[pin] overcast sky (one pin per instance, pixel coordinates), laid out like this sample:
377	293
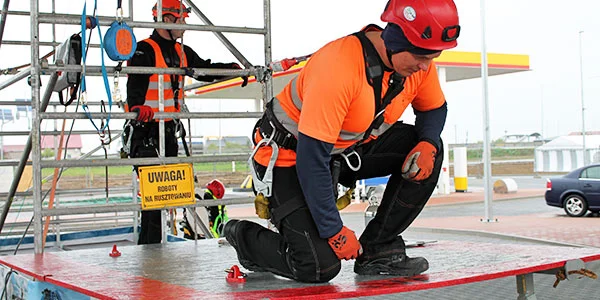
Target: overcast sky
547	31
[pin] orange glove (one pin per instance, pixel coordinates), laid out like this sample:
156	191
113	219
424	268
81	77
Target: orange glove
145	113
419	162
345	245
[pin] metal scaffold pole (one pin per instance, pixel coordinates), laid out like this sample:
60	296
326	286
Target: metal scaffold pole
3	21
17	77
35	131
220	35
268	86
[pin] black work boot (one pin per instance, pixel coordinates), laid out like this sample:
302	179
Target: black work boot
231	233
389	260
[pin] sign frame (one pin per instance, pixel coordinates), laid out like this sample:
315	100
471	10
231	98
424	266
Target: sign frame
164	186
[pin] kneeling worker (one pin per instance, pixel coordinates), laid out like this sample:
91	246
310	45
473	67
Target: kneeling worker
337	122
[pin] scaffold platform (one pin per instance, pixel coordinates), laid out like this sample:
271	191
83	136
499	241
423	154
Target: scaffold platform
196	270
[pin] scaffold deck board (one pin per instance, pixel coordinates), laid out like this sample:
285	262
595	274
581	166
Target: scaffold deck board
189	270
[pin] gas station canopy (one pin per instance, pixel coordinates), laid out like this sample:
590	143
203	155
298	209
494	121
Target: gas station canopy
459	65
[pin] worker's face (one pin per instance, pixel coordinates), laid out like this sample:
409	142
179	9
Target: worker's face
172	19
406	63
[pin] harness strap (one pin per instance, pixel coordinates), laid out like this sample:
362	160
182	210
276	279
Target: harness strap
374	72
374	68
285	209
269	123
179	128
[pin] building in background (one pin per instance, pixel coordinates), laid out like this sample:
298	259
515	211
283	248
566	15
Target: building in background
73	148
565	153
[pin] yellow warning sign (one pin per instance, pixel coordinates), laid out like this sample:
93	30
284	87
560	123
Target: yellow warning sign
166	185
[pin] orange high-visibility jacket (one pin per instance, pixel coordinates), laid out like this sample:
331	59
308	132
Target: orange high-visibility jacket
152	93
330	99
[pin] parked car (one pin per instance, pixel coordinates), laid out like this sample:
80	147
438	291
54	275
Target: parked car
576	192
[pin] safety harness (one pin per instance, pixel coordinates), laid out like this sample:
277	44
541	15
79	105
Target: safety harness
374	68
276	135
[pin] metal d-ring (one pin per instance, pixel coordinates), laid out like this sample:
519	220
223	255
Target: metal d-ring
347	158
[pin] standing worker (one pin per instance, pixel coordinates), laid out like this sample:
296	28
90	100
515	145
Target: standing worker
161	50
337	122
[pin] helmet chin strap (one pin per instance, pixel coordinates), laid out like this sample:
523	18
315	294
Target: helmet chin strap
389	57
169	30
170	34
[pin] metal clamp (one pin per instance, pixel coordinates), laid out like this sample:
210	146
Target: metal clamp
262	73
573	269
264	185
347	159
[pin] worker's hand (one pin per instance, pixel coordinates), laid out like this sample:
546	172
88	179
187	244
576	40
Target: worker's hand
419	162
245	78
145	113
345	245
190	72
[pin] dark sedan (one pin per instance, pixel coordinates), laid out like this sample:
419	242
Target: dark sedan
576	192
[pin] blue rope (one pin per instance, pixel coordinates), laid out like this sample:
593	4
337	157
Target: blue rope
95	23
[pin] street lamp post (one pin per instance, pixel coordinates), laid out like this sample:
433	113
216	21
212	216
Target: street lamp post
585	156
487	156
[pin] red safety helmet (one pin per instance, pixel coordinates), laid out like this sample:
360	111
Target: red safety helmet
171	7
217	188
427	24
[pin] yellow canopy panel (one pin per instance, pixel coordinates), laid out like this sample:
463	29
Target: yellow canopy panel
467	65
459	66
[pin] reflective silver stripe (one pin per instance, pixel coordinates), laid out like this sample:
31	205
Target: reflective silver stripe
295	96
292	126
283	118
383	128
337	151
350	136
153	85
154	103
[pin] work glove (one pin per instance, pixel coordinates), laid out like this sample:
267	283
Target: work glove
145	113
419	162
345	245
190	72
245	78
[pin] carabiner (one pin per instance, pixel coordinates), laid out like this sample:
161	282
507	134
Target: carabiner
178	127
264	185
120	15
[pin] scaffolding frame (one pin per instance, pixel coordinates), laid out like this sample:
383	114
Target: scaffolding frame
39	104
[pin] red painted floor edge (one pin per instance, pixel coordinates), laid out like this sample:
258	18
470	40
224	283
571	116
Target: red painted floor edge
38	271
42	272
410	286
